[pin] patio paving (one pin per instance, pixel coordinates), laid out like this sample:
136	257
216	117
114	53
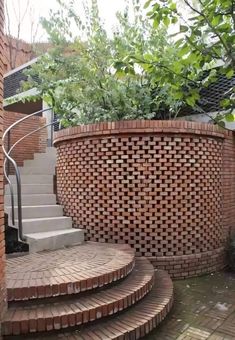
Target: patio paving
204	308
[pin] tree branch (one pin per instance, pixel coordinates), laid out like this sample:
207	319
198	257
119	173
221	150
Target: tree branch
211	26
168	69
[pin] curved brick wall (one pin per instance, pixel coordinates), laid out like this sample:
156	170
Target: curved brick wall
2	238
156	185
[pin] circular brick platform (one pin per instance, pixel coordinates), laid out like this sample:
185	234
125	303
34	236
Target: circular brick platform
93	291
133	323
67	271
75	310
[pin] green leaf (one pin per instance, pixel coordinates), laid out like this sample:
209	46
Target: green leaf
119	65
190	101
147	4
184	51
183	28
230	73
166	21
225	103
216	20
230	117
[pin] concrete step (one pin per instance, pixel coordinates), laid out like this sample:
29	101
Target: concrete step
40	162
35	199
34	179
40	170
49	153
51	150
37	225
38	211
42	157
28	189
56	239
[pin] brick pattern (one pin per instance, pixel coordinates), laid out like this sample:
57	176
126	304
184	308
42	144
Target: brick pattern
79	310
67	271
156	185
16	53
229	185
127	294
32	144
133	323
2	241
203	309
191	265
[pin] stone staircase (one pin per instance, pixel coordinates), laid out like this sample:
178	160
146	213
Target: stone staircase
44	225
87	292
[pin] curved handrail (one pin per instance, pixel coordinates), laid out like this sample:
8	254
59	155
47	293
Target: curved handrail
17	173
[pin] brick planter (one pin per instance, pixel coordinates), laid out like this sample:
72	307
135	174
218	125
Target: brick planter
164	187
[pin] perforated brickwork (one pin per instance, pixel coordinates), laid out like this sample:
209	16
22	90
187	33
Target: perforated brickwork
158	188
2	241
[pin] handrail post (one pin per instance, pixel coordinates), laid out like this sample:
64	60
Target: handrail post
52	126
8	149
19	202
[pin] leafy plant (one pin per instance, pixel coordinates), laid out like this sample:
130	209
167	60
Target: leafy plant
88	76
205	43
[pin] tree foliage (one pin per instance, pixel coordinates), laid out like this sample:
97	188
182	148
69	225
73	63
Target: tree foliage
88	75
205	43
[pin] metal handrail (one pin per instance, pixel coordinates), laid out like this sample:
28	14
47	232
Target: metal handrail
17	173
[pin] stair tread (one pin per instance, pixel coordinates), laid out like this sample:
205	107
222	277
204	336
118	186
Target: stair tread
45	234
32	184
139	320
37	206
33	195
97	304
38	219
133	323
67	271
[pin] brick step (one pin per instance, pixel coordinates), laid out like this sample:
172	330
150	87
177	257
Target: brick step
67	271
76	310
133	323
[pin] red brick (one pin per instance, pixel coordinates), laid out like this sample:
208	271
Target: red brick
35	143
165	188
2	242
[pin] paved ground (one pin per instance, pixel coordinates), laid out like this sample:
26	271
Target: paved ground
204	308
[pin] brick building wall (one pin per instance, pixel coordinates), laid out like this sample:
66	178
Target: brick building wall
2	242
32	144
16	53
164	187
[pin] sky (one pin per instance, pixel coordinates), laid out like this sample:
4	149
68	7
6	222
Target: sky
29	16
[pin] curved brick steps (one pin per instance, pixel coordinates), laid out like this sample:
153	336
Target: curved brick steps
67	271
131	324
79	309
